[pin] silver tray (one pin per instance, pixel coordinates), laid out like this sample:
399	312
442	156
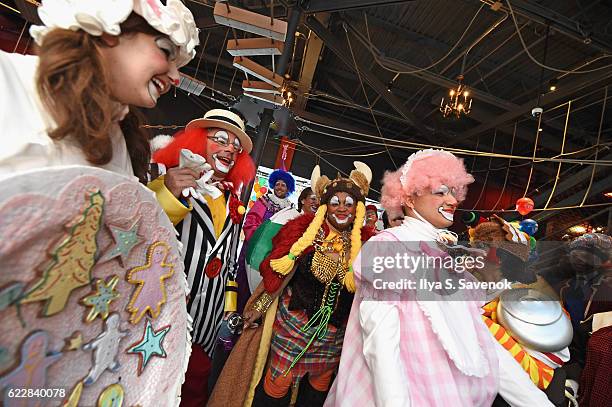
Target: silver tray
534	319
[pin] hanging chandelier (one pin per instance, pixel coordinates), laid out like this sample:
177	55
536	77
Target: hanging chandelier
287	95
459	101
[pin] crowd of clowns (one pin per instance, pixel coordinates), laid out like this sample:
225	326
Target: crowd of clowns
132	274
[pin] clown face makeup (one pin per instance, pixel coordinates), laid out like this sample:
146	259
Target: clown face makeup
447	213
222	148
437	208
310	203
371	218
341	211
280	189
141	68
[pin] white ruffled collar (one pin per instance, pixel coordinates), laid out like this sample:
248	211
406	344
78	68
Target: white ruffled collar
282	203
421	227
443	236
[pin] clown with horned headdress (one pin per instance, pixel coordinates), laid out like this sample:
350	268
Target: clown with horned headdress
304	302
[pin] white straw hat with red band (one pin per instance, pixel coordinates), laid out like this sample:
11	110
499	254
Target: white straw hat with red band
226	120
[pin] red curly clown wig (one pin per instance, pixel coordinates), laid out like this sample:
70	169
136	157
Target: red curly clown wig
194	139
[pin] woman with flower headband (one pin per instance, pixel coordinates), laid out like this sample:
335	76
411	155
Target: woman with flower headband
406	346
77	226
97	61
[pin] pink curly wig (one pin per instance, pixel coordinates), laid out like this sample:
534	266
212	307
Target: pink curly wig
193	139
423	172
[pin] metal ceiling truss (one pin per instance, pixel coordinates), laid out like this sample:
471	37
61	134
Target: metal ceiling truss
568	26
583	83
432	77
318	6
337	47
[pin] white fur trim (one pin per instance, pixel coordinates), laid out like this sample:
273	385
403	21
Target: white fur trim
160	141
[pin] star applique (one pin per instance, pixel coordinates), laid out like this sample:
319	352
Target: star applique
125	241
5	356
74	342
150	345
100	300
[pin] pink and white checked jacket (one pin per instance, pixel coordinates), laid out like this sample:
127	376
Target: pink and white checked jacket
393	354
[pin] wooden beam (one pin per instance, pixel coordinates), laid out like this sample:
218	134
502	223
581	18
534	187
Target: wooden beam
253	68
259	87
254	46
248	21
314	45
266	97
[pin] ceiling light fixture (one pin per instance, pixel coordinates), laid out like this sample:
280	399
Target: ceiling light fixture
552	84
578	229
459	101
191	85
390	84
287	96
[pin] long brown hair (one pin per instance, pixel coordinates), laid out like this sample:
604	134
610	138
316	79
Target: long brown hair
74	88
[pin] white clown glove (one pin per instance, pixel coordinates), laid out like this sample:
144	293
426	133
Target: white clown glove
207	188
196	162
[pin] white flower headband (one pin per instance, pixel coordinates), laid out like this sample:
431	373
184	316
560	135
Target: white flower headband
419	155
105	16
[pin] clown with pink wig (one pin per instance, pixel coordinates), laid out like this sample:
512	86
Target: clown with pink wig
408	343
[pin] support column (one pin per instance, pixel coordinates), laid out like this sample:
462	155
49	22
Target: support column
268	114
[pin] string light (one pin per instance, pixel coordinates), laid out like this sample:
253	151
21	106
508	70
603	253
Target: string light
409	145
560	208
10	8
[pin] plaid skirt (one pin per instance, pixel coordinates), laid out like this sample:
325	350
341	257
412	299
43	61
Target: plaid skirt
288	341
